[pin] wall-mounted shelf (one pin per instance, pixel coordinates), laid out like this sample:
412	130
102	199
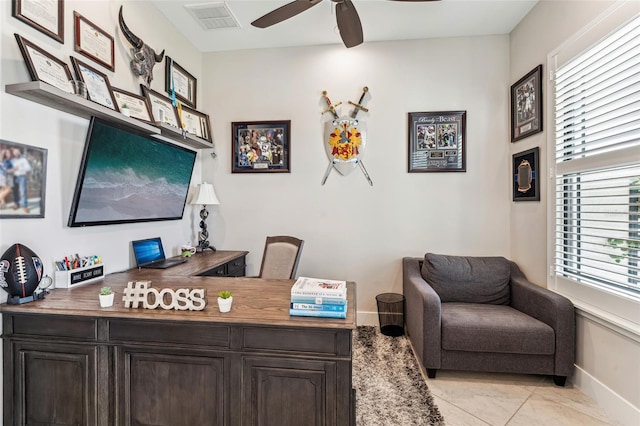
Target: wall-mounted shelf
46	94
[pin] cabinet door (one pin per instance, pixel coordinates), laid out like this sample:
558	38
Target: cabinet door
288	392
169	389
53	384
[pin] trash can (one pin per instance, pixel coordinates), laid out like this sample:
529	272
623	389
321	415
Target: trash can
391	313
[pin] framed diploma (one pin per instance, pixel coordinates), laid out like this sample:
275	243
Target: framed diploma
93	42
180	83
162	109
138	105
44	67
98	86
196	123
46	16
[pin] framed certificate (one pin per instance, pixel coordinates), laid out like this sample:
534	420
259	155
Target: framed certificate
98	86
162	109
93	42
179	82
46	16
138	105
196	123
44	67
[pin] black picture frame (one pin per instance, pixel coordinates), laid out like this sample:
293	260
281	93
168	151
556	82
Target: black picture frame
526	105
525	170
29	12
97	83
437	141
187	89
261	146
35	182
54	71
138	104
196	123
107	59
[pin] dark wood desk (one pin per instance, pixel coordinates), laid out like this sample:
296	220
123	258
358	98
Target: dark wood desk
69	362
220	263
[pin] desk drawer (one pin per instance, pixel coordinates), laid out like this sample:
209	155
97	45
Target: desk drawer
291	340
169	333
220	271
55	326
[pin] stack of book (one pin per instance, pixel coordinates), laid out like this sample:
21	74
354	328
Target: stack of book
313	297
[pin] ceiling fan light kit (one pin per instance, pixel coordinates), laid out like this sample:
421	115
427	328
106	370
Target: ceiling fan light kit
349	25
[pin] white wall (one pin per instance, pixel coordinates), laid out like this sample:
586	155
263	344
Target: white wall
606	359
354	231
63	135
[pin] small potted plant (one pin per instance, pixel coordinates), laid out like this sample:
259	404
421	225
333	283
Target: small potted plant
224	300
106	297
124	109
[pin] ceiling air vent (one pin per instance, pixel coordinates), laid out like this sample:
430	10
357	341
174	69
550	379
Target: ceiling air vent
213	16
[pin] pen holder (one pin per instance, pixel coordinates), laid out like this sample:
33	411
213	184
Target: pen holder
78	276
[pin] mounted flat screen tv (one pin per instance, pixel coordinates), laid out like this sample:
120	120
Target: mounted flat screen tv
127	176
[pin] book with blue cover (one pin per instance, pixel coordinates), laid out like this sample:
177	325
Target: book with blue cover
315	307
319	314
319	300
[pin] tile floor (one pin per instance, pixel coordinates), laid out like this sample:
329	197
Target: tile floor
470	399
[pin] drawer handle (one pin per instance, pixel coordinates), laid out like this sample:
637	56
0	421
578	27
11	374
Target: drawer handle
220	272
237	263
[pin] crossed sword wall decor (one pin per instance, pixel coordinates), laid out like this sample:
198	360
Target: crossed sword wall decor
345	122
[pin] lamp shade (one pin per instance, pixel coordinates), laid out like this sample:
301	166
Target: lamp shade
205	195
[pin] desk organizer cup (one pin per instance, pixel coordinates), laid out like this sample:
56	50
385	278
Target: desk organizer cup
79	276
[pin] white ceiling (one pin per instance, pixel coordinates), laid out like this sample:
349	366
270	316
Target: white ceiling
382	20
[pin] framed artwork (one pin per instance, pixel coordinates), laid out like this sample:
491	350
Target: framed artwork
23	176
261	146
98	86
196	123
180	83
137	104
437	141
526	105
46	16
162	109
44	67
93	42
526	171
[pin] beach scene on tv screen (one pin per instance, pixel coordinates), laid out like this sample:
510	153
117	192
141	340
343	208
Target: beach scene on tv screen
132	178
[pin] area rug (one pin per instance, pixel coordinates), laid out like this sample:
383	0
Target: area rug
390	390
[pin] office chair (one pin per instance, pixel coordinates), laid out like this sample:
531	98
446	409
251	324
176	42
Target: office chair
281	257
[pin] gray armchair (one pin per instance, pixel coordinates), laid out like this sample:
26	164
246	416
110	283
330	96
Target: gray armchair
481	314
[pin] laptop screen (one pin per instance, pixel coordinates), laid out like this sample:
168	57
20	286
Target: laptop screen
149	250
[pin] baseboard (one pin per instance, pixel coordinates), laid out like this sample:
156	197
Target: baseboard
367	318
616	407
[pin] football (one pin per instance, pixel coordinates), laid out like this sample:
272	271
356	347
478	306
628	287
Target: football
20	271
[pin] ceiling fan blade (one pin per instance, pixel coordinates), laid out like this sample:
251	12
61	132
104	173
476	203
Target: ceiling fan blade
284	12
349	23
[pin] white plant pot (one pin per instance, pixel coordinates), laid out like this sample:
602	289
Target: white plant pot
106	300
225	304
126	111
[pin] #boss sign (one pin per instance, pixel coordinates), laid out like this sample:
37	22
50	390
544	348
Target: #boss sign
141	293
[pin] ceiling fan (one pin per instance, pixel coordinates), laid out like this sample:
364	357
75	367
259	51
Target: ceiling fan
346	16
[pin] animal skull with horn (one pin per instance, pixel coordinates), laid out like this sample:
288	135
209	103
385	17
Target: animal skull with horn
144	57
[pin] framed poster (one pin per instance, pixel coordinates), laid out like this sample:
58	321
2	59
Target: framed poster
196	123
46	16
526	105
162	109
23	175
180	83
437	141
93	42
526	171
260	147
44	67
98	86
137	104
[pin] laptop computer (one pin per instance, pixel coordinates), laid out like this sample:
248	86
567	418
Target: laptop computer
150	254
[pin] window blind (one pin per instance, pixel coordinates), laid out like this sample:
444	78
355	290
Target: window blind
597	153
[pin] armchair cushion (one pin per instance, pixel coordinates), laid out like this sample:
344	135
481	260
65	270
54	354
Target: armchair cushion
490	328
468	279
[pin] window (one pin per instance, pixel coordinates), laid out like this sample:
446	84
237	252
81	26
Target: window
596	100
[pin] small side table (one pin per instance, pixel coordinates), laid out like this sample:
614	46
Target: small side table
391	313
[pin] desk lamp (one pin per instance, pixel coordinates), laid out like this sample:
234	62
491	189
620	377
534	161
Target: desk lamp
206	195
